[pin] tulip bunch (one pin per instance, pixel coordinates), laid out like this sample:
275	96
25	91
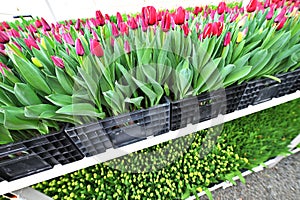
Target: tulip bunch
192	164
81	70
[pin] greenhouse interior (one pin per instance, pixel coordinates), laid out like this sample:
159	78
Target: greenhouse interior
149	99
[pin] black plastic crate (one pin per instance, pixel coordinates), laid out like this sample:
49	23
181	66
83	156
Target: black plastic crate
197	109
261	90
28	157
233	97
124	129
288	83
90	139
138	125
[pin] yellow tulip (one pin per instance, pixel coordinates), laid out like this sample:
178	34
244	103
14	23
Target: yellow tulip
43	43
240	37
36	62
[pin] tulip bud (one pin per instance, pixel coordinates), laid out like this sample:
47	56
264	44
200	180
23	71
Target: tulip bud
115	30
79	48
58	61
68	38
221	18
132	23
6	25
58	38
212	14
45	25
197	10
179	17
38	23
207	30
270	14
227	39
152	15
214	28
251	7
186	29
166	22
107	17
30	42
77	25
221	8
3	37
2	47
36	62
267	4
220	28
127	47
280	16
96	48
123	28
281	23
239	37
119	18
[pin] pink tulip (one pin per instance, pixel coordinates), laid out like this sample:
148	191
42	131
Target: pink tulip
212	14
123	28
2	47
78	24
270	14
2	28
280	16
78	47
207	30
227	39
115	30
58	38
107	17
58	61
3	37
221	18
6	25
95	35
14	33
68	38
31	29
127	47
214	28
96	48
3	66
221	8
100	18
179	17
267	4
132	23
119	18
45	25
30	42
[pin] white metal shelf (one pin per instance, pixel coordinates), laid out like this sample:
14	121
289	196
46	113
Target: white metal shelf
60	170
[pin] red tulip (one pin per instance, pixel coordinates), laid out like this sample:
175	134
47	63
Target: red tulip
207	30
251	7
79	48
32	29
58	61
220	28
280	16
1	28
186	29
214	28
2	47
6	25
221	18
96	48
159	16
227	39
221	8
149	15
38	23
119	18
14	33
166	22
78	24
124	28
107	17
132	23
197	10
45	25
281	23
127	47
3	37
179	17
100	18
68	38
30	42
115	30
270	14
58	38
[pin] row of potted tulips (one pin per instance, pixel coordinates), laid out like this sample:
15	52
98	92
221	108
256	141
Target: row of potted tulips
95	68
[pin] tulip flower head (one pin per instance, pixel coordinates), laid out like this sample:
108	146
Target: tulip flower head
114	30
179	16
78	47
280	16
6	25
149	15
251	7
30	42
100	18
58	61
38	23
36	62
127	46
270	13
45	25
227	39
3	37
281	23
186	29
221	8
2	67
68	38
96	48
166	22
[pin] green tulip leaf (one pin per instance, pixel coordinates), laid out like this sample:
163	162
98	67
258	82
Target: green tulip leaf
26	95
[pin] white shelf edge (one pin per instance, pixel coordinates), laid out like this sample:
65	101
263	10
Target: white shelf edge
59	170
